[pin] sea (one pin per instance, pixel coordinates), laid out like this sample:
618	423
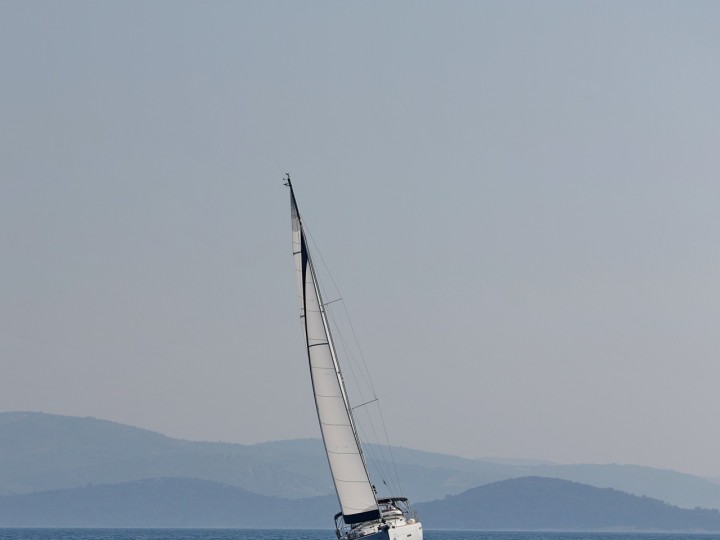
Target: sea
306	534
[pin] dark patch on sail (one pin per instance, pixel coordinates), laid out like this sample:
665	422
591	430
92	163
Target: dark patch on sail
304	267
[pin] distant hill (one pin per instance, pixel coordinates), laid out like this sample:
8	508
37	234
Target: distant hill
534	503
40	452
680	489
530	503
165	502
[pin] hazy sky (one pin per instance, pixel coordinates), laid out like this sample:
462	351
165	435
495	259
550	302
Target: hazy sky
519	201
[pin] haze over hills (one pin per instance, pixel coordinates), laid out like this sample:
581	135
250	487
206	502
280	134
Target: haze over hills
523	503
40	452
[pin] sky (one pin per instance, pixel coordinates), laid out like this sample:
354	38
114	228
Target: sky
518	201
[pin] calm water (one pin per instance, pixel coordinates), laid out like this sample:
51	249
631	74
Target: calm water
283	534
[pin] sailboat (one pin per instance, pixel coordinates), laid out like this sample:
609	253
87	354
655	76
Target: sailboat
362	514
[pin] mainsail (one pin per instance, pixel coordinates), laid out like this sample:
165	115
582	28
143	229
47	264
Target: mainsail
347	465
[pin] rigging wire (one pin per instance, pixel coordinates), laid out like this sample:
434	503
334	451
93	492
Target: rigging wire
376	439
365	376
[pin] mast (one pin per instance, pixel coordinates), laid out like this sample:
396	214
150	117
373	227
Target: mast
342	444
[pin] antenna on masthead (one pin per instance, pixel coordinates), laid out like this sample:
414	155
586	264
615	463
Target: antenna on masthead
287	180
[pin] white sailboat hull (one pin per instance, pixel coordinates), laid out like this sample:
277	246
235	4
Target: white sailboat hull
407	531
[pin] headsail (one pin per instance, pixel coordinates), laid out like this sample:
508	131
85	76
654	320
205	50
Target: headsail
352	483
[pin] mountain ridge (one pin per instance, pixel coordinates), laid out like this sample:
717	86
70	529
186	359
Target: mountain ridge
41	451
536	503
528	503
162	502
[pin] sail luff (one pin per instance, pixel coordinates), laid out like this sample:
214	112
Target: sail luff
347	465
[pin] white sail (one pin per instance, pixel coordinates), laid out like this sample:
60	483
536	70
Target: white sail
349	473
